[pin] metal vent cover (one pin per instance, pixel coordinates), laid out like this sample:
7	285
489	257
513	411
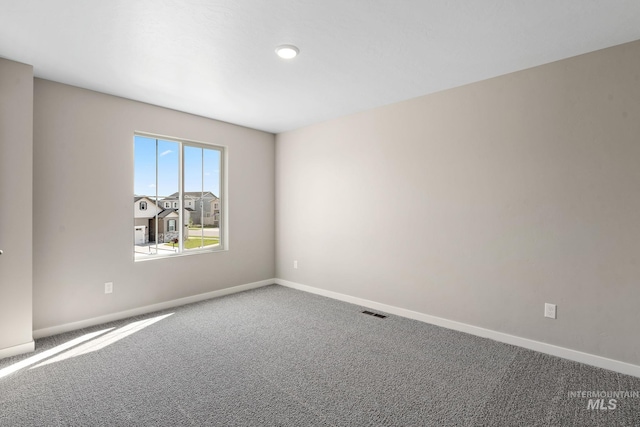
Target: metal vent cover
371	313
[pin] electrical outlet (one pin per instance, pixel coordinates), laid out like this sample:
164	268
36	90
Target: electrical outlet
549	310
295	264
108	287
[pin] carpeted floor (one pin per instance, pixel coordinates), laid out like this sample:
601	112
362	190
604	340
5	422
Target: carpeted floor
280	357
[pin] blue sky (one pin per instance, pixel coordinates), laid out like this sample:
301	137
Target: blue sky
168	168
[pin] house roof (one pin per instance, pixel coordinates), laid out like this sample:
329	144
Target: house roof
137	198
192	195
166	213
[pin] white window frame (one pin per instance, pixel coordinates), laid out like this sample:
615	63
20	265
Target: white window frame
222	224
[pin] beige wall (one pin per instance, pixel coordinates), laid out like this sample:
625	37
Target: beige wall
16	164
476	204
83	148
481	203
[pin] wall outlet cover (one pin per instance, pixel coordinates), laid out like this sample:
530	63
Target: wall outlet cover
550	310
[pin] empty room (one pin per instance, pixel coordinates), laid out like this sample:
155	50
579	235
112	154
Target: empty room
319	213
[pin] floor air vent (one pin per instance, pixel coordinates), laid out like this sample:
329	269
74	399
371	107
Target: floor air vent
371	313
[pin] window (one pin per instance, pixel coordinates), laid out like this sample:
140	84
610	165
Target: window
169	169
143	206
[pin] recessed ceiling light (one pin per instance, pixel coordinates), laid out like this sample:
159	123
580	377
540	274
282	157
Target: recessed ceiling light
287	51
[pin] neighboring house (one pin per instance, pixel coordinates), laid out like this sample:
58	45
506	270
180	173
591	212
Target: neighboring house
168	226
215	212
145	211
190	202
201	204
170	202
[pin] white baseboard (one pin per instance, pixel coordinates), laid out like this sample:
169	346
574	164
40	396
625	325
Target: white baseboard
17	349
554	350
67	327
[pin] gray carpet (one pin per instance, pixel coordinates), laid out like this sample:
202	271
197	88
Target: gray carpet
279	357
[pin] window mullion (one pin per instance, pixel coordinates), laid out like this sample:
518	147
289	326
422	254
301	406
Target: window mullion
181	198
202	197
156	221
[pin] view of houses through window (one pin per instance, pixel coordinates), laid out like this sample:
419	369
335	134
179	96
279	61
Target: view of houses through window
177	197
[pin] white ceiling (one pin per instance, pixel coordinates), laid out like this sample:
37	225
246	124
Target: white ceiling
216	58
